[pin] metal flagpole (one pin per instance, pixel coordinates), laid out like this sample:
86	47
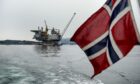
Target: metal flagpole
135	7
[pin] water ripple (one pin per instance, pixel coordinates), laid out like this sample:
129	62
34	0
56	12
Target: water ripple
55	75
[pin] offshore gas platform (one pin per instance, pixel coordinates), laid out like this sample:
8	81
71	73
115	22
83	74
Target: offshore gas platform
50	36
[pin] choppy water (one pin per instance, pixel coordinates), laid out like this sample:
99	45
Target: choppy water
66	64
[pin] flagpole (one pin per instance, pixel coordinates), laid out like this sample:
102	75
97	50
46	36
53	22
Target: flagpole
134	4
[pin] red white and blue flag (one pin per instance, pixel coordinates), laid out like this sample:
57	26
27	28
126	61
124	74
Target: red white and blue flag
108	35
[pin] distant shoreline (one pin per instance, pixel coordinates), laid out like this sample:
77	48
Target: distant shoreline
17	42
26	42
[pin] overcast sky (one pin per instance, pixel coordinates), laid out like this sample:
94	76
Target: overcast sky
18	17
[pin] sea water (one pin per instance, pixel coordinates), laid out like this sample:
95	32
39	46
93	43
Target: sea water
65	64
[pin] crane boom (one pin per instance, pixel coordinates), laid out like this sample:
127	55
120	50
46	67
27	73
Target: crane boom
68	25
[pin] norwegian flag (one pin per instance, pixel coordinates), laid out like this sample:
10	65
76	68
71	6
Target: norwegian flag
108	35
